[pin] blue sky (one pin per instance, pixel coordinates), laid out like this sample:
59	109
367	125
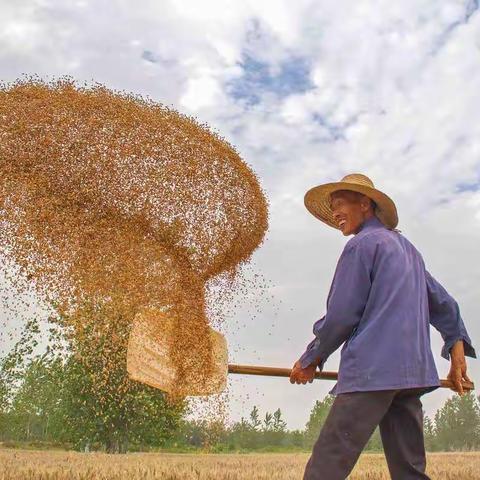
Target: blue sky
292	77
307	94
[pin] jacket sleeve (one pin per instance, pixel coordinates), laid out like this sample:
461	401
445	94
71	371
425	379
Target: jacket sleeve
311	353
345	304
445	317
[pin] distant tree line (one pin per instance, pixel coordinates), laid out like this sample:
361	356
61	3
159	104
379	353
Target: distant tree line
456	426
57	398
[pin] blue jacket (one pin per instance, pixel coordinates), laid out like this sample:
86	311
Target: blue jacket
380	306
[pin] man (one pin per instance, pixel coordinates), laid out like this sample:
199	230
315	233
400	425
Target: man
380	305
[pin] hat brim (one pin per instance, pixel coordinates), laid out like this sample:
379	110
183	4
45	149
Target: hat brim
317	202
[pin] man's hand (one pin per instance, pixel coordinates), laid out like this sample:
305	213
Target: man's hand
458	367
302	375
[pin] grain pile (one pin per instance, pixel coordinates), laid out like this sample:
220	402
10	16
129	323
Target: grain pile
111	203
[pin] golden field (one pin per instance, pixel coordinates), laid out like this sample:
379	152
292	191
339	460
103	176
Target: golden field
60	465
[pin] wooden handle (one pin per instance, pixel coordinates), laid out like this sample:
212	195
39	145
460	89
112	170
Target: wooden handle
448	384
285	372
274	371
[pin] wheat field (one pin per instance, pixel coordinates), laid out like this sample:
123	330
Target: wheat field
60	465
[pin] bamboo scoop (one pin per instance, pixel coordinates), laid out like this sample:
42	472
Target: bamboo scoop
149	360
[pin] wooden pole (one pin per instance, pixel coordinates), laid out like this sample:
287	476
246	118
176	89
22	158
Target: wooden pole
285	372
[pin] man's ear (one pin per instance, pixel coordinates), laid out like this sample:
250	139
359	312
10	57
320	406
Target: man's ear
365	203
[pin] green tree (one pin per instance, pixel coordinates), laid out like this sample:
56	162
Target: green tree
317	418
279	425
276	435
34	413
429	433
78	391
4	402
192	433
254	418
12	370
268	422
242	435
296	438
375	441
100	403
457	423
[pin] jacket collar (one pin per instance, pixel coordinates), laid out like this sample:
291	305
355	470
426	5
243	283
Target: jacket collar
371	223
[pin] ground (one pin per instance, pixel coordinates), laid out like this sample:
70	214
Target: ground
61	465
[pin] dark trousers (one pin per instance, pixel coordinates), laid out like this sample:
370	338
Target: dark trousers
350	423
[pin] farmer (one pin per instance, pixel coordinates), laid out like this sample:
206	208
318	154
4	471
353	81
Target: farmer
381	302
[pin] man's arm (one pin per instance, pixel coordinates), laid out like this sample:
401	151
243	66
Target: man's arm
345	305
311	354
445	317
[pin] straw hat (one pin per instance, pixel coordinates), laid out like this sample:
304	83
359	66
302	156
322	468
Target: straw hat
317	199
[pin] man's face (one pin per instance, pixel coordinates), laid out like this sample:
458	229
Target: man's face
349	210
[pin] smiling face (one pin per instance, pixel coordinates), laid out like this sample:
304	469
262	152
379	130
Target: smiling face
350	210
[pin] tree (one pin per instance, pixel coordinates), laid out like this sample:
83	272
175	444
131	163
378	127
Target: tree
317	418
457	423
13	367
279	425
296	438
34	413
243	435
254	418
429	433
276	433
4	395
375	441
267	422
100	403
78	391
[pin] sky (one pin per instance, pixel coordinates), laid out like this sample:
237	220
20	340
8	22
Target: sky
307	92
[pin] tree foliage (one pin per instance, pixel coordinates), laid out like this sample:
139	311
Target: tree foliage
81	394
457	424
318	415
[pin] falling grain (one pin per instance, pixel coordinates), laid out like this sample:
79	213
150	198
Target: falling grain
111	203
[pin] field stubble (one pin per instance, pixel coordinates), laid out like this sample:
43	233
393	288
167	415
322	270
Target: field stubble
59	465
